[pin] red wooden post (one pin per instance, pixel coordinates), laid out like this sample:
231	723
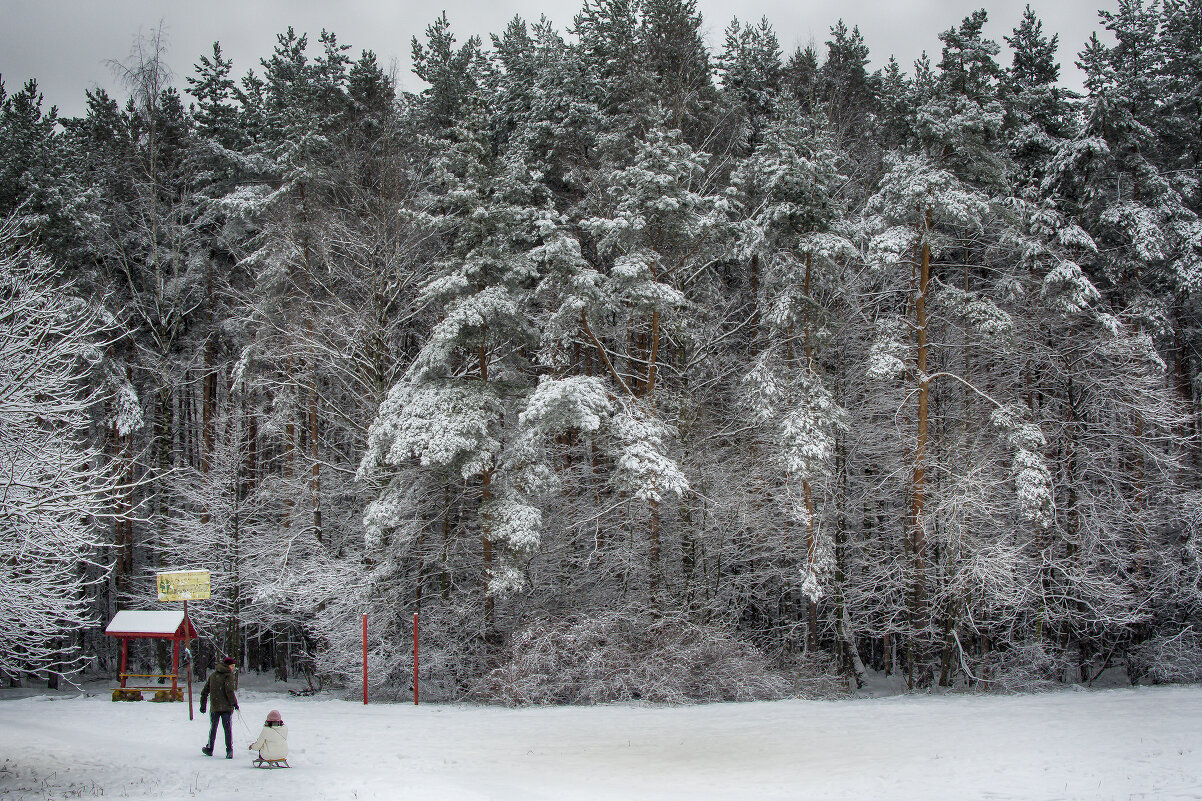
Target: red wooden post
415	658
124	659
188	655
174	667
365	658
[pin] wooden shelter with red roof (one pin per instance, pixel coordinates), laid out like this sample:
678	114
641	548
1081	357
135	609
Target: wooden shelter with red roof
172	625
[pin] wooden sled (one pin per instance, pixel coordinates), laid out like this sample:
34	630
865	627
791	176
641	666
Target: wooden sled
260	762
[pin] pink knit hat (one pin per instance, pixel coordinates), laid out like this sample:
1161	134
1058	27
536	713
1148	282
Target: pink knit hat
274	717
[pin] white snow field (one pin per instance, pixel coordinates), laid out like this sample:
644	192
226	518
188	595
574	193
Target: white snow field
1113	744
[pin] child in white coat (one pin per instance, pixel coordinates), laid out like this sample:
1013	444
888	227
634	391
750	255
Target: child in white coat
273	740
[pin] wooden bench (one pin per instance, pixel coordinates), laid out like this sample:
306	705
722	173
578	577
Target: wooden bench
128	692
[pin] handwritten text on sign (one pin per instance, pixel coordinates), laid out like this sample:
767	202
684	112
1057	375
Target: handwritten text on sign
191	585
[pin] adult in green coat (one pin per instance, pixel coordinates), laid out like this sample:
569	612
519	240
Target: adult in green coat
218	695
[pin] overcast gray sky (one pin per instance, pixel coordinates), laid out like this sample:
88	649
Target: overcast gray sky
65	44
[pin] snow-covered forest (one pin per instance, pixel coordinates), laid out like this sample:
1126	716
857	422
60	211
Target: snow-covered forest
639	370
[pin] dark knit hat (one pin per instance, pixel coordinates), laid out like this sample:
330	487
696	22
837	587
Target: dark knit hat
229	660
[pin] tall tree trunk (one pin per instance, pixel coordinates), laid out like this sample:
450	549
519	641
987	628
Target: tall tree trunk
247	481
807	491
917	535
123	534
1073	523
753	272
289	450
652	357
235	624
445	573
485	523
315	456
1186	391
654	583
850	653
811	557
311	312
162	434
688	555
206	415
949	642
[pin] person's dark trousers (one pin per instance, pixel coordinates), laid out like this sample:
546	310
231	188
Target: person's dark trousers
226	719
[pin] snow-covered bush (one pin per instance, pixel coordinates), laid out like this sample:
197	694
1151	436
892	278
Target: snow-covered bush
1168	659
625	656
1025	668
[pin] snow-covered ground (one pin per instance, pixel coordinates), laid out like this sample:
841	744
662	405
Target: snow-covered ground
1113	744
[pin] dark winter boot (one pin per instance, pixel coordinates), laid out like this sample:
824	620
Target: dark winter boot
207	750
229	754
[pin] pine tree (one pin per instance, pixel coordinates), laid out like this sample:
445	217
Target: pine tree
961	125
752	75
215	114
787	186
450	411
612	49
801	77
453	75
1038	114
678	60
848	91
31	178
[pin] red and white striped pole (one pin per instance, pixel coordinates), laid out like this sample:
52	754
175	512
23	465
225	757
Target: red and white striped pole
365	658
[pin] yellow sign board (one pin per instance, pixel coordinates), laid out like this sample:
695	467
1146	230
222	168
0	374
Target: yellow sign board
192	585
